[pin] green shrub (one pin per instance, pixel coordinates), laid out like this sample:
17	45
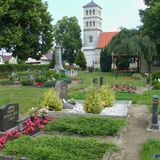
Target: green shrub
26	81
156	75
51	74
81	60
137	76
41	79
105	61
67	80
92	103
21	67
52	101
90	68
49	84
154	82
107	96
6	82
87	125
58	148
157	86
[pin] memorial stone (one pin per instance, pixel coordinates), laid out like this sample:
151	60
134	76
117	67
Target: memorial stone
9	114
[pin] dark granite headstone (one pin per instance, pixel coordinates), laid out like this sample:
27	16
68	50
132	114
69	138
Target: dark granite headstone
62	88
101	81
95	81
155	124
9	114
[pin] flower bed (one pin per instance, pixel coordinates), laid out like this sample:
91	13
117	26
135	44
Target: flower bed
124	88
29	127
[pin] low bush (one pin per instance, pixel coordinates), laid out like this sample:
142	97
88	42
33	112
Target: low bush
90	69
57	148
107	96
92	103
26	82
41	79
67	80
52	101
137	76
87	125
156	75
21	67
49	84
157	86
6	82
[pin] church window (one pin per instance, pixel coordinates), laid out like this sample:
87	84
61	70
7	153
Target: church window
93	23
90	39
87	24
93	11
90	23
90	12
86	12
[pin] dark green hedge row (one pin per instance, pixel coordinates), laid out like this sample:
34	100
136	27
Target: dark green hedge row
21	67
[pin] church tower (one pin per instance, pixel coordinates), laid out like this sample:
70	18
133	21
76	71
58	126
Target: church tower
92	27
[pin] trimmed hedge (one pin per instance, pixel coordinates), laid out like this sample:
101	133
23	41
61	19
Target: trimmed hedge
21	67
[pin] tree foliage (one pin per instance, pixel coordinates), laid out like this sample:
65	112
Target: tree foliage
68	35
81	60
105	61
150	18
25	28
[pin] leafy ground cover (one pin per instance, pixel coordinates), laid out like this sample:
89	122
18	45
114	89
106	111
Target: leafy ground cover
86	125
57	148
150	150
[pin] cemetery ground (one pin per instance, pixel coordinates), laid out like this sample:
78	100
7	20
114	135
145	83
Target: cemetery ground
129	141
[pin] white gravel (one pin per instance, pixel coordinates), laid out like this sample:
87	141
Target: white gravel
119	109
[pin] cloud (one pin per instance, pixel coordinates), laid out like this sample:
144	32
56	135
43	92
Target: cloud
124	17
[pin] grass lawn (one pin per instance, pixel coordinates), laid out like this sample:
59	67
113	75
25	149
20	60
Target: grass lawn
150	150
57	148
86	125
25	96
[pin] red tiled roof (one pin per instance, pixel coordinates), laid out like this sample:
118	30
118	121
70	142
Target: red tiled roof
105	38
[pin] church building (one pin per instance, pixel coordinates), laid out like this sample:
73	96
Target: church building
94	39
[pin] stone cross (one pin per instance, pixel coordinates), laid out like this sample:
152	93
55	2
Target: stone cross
155	124
58	59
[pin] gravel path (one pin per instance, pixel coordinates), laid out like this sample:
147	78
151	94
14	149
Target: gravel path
136	134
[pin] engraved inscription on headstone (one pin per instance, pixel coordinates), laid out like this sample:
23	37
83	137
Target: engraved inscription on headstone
9	114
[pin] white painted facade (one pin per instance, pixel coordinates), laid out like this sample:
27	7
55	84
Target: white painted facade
92	27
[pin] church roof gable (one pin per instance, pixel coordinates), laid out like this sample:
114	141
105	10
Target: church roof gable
91	4
104	39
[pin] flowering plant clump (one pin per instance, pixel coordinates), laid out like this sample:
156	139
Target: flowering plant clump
39	84
28	128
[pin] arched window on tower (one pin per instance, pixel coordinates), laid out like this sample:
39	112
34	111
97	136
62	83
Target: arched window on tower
86	12
93	11
90	39
87	24
94	23
90	12
90	23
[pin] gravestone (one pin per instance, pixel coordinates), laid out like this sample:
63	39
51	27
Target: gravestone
9	114
155	124
62	88
58	60
95	81
101	81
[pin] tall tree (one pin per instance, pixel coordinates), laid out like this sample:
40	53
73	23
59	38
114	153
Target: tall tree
25	28
68	35
105	61
81	60
150	18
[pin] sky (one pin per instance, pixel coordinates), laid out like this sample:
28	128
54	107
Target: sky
115	13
